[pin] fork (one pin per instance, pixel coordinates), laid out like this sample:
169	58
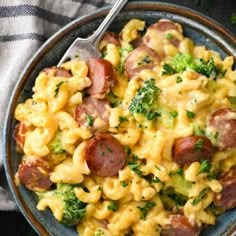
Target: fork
86	48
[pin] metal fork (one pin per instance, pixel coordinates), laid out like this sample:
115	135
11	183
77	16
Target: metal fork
87	48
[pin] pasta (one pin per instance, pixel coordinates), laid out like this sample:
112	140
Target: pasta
133	139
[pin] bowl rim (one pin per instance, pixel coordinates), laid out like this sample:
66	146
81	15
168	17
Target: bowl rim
224	34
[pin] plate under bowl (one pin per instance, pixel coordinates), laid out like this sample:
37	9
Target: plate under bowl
196	26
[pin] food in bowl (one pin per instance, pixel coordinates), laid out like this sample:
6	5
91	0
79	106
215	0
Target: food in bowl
141	141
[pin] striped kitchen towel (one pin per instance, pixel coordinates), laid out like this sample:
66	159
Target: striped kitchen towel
24	26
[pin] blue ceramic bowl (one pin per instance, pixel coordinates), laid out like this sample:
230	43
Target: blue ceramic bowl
196	26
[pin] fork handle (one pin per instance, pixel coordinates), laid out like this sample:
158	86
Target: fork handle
96	36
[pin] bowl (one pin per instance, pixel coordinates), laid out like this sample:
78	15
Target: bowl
196	26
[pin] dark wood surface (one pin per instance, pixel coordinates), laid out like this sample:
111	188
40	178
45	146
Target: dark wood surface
13	223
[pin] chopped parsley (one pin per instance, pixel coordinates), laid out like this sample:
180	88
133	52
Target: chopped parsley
58	88
152	179
168	70
202	194
169	36
122	119
180	171
205	167
145	60
199	144
174	114
99	232
89	120
179	79
123	184
190	114
113	206
99	188
134	166
146	208
145	100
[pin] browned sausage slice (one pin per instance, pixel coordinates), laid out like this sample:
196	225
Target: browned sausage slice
180	226
192	148
33	173
19	136
58	71
104	155
139	59
164	25
223	122
226	199
101	75
92	109
156	35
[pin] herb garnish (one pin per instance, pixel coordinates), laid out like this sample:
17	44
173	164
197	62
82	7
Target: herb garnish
174	114
205	167
89	120
169	36
58	87
123	184
146	208
198	144
113	206
190	114
202	194
134	166
179	79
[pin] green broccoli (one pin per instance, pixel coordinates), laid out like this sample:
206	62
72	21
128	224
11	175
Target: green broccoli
73	209
180	184
182	62
124	52
146	100
171	199
55	145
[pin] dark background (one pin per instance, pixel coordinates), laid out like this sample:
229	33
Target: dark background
13	223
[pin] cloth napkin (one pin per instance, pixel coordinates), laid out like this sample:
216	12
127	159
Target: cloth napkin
24	26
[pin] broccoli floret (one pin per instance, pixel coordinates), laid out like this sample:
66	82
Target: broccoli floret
73	209
182	62
171	199
55	145
124	52
180	184
146	100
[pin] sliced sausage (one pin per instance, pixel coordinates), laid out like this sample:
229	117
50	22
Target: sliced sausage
19	136
104	155
180	226
109	37
191	149
95	109
226	199
156	35
101	75
58	71
164	25
33	173
139	59
223	122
